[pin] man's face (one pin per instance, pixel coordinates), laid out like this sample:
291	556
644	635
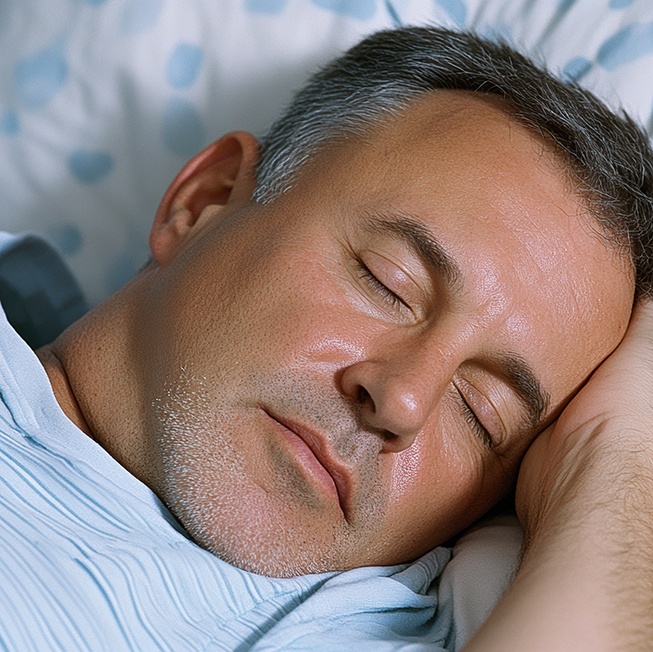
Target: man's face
351	374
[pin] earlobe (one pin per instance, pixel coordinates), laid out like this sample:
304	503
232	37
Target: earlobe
222	173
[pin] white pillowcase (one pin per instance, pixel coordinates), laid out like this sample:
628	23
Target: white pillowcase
102	101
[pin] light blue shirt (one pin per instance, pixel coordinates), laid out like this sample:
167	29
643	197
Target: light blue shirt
90	559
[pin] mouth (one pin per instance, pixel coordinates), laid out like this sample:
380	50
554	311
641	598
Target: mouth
310	451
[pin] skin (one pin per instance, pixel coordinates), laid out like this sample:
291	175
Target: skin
584	498
291	379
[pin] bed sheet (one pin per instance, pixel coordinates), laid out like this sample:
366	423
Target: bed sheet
39	295
102	101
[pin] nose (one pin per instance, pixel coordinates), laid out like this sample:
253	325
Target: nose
397	395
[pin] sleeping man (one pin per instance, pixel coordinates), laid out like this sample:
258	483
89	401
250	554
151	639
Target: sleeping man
348	339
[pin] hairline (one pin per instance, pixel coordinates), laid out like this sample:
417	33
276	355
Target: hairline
372	124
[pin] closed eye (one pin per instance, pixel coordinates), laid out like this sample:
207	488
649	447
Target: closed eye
470	417
394	301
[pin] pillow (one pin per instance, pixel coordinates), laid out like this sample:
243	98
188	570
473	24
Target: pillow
39	296
102	101
484	562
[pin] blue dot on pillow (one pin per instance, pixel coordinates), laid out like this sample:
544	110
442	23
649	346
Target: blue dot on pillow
66	237
628	44
183	65
265	6
141	15
95	2
499	32
90	167
9	123
456	10
620	4
360	9
565	5
183	129
40	76
576	69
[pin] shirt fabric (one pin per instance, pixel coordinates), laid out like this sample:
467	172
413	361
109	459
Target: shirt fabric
90	559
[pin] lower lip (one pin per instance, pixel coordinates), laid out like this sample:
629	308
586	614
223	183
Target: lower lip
306	459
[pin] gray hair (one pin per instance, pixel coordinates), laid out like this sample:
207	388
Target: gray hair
608	155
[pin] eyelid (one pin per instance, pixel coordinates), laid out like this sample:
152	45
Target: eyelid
393	275
395	302
484	410
470	416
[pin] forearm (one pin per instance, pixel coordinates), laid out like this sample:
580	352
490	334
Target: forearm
586	578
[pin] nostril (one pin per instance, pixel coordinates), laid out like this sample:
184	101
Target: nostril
364	398
391	442
389	436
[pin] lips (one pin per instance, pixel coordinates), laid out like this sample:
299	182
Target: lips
310	448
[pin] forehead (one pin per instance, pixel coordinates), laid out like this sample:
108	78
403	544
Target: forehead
501	203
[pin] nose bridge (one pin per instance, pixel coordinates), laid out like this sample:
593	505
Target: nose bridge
399	387
422	368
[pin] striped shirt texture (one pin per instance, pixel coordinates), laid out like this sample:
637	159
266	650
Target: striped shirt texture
90	559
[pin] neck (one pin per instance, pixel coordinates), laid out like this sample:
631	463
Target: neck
61	387
94	372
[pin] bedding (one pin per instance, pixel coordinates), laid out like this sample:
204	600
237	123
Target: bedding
92	560
102	101
39	295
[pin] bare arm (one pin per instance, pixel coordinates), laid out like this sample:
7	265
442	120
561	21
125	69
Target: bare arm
585	499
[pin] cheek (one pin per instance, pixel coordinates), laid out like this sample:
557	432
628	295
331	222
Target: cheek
443	483
302	317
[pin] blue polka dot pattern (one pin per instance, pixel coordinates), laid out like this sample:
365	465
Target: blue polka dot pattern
626	45
90	167
9	123
393	13
183	65
456	10
620	4
576	69
165	83
565	5
140	15
498	32
39	77
265	6
66	237
359	9
183	129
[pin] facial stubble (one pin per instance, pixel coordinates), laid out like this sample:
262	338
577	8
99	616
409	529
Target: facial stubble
238	492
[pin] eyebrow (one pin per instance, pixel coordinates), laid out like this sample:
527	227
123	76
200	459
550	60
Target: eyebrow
534	397
516	371
420	240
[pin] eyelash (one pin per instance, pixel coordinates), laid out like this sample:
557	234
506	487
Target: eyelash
388	295
479	430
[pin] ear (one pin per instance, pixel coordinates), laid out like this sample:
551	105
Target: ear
221	174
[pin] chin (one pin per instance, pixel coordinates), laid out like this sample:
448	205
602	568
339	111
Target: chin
279	559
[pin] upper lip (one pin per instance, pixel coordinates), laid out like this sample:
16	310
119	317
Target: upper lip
318	444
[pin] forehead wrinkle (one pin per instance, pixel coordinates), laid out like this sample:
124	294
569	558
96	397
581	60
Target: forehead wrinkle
405	227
